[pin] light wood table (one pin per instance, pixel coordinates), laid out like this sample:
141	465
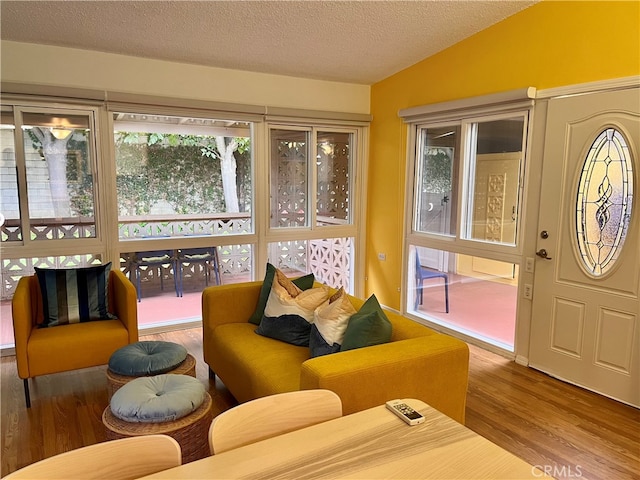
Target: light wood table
370	444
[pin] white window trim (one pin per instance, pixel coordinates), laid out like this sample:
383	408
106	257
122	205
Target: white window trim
461	112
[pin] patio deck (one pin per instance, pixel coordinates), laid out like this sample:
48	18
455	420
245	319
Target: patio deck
485	309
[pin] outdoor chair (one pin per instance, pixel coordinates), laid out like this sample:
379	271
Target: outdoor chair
424	273
155	259
207	257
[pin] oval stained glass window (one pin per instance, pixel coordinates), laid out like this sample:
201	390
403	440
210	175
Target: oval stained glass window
604	201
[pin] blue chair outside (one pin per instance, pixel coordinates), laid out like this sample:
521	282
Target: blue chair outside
424	273
155	259
206	256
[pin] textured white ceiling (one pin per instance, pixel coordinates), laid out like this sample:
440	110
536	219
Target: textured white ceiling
351	41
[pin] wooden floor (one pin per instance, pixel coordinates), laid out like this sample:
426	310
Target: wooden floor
564	430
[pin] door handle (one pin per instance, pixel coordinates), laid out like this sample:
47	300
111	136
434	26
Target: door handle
542	253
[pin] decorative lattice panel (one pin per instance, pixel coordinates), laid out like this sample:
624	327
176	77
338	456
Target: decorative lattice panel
330	261
176	228
235	259
289	171
495	207
333	180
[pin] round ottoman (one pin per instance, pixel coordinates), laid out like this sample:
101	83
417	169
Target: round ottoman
147	358
174	405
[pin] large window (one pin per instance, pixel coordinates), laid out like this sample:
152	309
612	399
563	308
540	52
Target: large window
48	182
311	192
176	198
462	238
183	183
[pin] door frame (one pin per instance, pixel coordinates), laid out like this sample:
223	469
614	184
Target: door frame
532	198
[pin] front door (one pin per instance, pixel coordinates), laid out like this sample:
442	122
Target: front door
585	320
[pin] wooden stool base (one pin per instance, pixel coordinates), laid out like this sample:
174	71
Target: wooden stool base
191	431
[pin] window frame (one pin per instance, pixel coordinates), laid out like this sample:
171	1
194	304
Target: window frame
357	195
464	113
58	247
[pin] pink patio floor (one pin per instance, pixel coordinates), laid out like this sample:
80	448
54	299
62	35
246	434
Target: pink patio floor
484	308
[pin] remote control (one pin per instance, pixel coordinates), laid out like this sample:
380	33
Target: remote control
405	412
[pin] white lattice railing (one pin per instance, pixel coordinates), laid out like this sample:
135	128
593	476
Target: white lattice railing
329	259
50	229
184	225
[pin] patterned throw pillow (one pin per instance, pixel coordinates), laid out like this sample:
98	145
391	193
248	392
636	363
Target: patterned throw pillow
330	323
305	282
74	295
289	311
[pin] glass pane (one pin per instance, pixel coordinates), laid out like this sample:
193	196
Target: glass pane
182	176
9	201
436	191
59	161
473	295
289	178
170	282
333	159
496	159
329	259
604	202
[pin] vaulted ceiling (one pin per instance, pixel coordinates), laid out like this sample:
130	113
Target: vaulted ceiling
358	41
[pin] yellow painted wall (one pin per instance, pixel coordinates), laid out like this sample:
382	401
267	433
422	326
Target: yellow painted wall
550	44
28	63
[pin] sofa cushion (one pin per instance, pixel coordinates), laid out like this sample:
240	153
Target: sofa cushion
253	366
74	295
304	283
289	311
147	358
330	323
370	326
161	398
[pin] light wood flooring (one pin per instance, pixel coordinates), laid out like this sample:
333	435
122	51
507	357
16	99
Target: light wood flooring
564	430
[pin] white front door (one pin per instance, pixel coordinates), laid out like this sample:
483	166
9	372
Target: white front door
586	315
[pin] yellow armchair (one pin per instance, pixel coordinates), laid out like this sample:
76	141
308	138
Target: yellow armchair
41	351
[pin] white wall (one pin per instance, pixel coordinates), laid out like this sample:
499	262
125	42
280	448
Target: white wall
59	66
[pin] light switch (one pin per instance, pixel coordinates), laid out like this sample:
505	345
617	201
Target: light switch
529	265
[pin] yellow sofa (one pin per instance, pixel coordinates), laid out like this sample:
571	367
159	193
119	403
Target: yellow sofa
41	351
418	362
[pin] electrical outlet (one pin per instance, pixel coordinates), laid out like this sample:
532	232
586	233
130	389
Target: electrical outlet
382	257
528	291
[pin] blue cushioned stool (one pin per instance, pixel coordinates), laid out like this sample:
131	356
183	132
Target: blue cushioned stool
147	358
169	404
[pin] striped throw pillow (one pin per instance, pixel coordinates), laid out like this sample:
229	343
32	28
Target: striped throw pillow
74	295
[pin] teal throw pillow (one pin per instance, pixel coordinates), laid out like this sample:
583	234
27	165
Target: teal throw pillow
304	283
370	326
74	295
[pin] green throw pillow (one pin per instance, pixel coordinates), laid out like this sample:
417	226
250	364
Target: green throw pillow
304	283
370	326
74	295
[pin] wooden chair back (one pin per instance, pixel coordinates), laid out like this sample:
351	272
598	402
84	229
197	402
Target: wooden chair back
123	459
269	416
